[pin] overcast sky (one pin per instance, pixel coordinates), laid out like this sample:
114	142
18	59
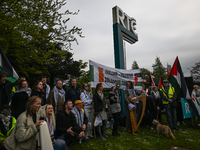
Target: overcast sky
165	29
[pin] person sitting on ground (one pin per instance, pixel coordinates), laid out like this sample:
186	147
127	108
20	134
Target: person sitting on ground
7	123
115	109
66	125
37	90
20	98
87	98
25	133
81	118
47	114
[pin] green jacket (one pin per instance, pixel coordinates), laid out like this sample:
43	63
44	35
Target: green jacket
2	137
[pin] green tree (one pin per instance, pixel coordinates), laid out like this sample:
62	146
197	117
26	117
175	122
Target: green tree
195	72
134	65
30	32
158	69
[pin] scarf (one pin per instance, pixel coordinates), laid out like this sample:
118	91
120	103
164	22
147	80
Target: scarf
50	125
27	90
79	116
61	92
157	95
87	94
100	94
6	121
131	92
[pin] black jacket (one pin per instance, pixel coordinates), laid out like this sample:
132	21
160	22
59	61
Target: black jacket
72	94
99	104
6	97
42	95
18	103
64	122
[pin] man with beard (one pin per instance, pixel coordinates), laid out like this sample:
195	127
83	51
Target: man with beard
57	97
66	125
4	89
73	93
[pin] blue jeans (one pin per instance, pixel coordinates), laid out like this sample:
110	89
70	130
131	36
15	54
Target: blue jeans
171	115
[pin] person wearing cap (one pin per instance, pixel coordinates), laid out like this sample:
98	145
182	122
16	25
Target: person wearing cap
168	95
81	118
66	126
7	123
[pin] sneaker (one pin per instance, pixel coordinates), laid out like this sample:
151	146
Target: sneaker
198	125
91	136
178	123
87	138
104	135
151	128
183	123
118	133
101	138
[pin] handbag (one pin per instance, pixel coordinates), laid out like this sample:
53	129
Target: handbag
98	121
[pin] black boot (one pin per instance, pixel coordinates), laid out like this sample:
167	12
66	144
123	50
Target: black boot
114	133
98	129
118	133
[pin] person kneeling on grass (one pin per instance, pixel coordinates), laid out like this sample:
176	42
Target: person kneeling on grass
7	123
47	114
81	118
66	125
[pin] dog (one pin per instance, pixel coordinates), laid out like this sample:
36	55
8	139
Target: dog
163	128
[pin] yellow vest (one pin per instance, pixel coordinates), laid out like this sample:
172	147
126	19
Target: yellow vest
170	94
2	137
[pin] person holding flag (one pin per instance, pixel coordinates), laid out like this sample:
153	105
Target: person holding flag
168	96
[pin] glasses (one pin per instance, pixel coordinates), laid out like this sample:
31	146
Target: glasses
86	86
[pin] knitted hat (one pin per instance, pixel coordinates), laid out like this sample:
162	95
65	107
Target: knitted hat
78	102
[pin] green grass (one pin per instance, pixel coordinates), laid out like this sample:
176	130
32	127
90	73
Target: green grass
186	137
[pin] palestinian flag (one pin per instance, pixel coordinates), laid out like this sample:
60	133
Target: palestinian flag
7	67
195	104
177	80
160	83
151	79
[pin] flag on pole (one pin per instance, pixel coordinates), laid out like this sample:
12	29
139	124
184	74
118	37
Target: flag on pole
151	79
177	80
7	67
160	83
168	72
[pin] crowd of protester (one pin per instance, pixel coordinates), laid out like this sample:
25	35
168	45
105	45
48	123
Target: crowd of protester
70	114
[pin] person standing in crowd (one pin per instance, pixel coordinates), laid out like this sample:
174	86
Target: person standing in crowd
4	89
17	87
73	93
168	95
115	109
47	114
129	92
195	92
46	87
7	123
37	90
81	118
86	97
151	109
24	135
66	125
99	108
156	97
20	98
149	90
57	97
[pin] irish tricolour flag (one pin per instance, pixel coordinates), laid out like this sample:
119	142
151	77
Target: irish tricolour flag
7	67
177	80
